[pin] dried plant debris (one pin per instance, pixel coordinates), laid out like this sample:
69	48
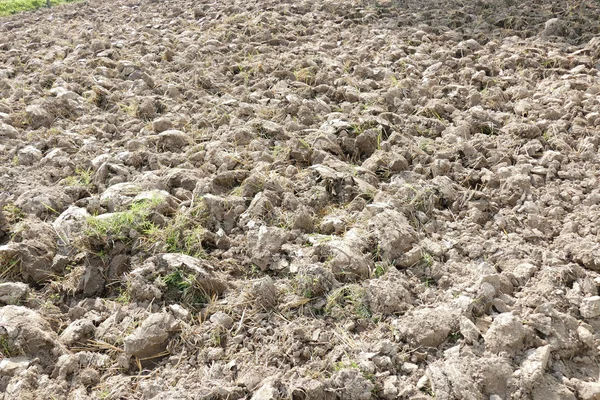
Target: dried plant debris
337	199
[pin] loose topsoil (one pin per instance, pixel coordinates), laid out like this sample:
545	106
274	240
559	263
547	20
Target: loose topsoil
300	200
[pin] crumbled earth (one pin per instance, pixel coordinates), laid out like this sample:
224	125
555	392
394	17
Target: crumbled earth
300	200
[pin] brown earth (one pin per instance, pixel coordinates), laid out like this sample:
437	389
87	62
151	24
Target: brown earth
300	200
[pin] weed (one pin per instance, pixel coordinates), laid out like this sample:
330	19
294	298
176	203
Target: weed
420	199
53	132
184	287
130	109
345	364
104	394
357	129
380	269
9	269
285	220
82	177
305	75
50	208
395	81
428	281
184	233
116	226
425	144
124	297
438	117
488	129
304	285
547	136
454	337
178	280
6	349
350	299
427	259
254	271
216	336
304	143
13	213
8	7
276	151
54	298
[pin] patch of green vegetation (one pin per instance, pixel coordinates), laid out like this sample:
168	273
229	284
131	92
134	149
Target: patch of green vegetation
305	75
380	269
124	297
183	233
345	364
427	259
349	301
184	288
8	7
117	226
454	337
82	177
179	281
358	129
217	336
488	129
104	394
304	285
6	349
13	213
428	281
9	268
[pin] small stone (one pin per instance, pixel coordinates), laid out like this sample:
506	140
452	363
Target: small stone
146	110
179	312
123	360
555	27
77	331
422	382
588	390
215	353
332	224
8	131
38	117
590	307
532	369
585	336
173	140
390	391
27	332
267	391
29	155
162	124
151	336
452	352
149	389
505	334
13	292
89	377
14	365
222	319
409	368
524	271
469	330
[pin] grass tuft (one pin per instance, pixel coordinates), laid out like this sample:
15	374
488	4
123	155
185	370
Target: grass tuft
9	7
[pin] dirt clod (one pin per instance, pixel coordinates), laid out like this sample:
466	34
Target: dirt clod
300	200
